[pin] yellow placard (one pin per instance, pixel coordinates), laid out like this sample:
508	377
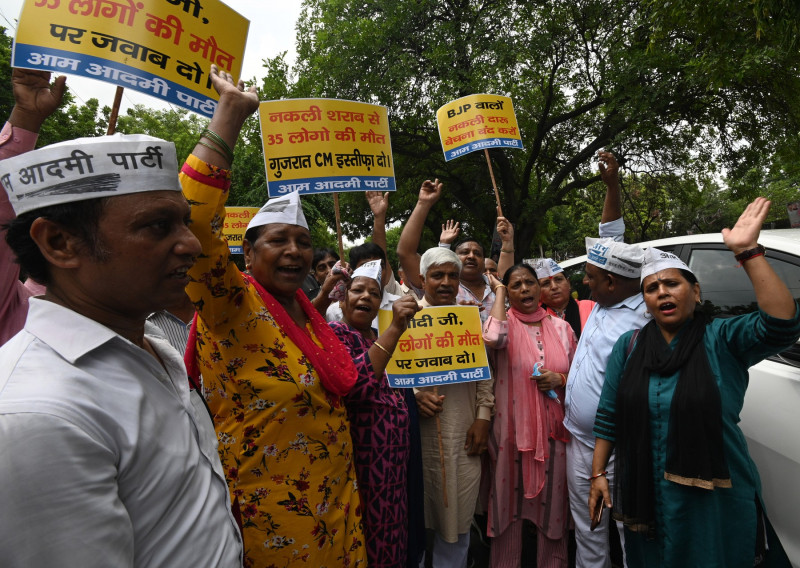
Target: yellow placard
326	145
477	122
442	345
236	220
160	47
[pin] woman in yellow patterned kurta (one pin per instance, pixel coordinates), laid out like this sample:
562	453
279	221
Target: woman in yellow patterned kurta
284	439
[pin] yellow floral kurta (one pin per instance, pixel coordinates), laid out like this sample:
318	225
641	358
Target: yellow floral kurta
284	441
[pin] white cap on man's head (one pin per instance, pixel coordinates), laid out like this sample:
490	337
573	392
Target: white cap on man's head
656	260
615	256
371	269
285	209
89	168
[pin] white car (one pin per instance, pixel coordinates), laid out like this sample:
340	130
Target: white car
770	418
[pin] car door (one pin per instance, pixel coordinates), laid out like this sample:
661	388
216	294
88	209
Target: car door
770	418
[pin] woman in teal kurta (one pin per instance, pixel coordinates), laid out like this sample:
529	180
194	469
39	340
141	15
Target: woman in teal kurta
694	522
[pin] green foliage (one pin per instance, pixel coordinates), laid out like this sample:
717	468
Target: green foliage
6	95
679	89
176	125
687	94
392	238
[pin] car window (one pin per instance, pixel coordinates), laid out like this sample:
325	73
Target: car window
725	288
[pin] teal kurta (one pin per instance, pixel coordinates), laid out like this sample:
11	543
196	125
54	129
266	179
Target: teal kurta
697	527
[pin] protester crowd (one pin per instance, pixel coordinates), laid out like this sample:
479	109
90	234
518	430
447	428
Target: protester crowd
160	407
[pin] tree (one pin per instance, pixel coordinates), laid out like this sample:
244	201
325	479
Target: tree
6	95
631	76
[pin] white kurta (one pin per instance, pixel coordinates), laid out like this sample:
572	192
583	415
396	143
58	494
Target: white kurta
463	403
104	460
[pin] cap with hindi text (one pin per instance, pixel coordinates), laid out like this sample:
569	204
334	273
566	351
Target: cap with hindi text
615	256
656	260
545	267
89	168
371	269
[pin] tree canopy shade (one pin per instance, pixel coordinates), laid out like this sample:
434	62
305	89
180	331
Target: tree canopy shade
669	87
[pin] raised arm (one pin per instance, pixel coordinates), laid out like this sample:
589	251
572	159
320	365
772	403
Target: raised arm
403	310
407	246
498	311
772	295
379	204
235	105
449	234
506	231
34	100
215	280
609	172
322	300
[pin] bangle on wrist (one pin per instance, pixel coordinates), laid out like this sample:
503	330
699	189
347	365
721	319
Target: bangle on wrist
213	149
494	290
382	348
218	141
601	474
745	255
563	380
508	251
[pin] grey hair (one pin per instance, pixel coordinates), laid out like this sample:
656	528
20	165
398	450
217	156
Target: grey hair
437	256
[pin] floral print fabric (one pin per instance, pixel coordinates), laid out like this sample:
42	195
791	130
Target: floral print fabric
284	441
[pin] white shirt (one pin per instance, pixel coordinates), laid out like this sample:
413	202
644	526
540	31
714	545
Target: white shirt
104	460
588	371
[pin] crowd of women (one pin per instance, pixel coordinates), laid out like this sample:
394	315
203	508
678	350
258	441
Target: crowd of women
322	457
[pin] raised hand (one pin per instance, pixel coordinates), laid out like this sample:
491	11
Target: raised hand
494	282
744	235
34	97
378	202
234	93
403	309
609	168
450	231
430	192
505	230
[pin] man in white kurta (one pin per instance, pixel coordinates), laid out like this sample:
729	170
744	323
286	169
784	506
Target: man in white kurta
465	412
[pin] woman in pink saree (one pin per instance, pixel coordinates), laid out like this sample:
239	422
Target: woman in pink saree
527	446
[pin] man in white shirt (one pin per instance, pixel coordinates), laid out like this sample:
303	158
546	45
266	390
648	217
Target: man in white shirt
105	460
612	274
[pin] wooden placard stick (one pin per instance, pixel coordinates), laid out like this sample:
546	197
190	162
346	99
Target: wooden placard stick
338	224
441	450
112	118
494	183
